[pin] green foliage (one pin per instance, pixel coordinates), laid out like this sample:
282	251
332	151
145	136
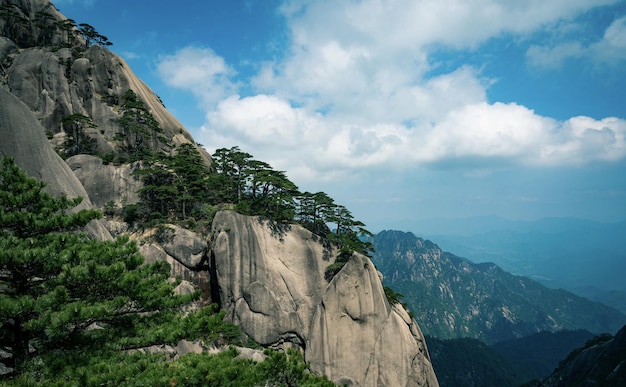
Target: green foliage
104	362
142	369
76	141
392	296
253	186
55	283
140	129
470	362
537	355
92	36
176	188
68	26
332	270
16	25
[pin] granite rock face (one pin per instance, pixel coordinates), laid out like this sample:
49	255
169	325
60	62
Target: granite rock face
23	140
270	279
106	183
185	251
59	76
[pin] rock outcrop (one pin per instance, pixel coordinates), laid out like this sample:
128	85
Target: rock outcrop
57	75
185	251
270	279
106	183
23	139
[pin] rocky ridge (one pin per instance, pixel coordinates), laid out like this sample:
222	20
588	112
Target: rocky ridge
601	362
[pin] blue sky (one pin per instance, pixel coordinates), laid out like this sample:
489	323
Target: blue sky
398	109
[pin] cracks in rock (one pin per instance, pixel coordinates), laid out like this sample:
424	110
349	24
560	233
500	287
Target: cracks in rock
214	290
291	295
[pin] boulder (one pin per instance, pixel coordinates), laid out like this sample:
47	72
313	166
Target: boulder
185	251
270	279
186	247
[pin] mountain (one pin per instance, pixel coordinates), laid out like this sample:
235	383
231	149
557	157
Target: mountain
537	355
582	256
73	114
469	362
454	297
271	283
600	362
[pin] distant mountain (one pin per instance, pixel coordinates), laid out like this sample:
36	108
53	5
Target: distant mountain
471	363
584	257
454	297
536	356
600	362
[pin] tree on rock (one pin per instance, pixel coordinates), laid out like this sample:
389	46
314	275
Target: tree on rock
55	282
92	36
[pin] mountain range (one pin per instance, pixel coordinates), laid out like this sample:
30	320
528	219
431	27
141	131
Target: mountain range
585	257
453	297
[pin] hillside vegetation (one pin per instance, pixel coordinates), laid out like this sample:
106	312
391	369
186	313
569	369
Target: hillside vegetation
87	312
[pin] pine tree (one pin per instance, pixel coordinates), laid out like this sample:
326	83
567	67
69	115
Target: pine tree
55	282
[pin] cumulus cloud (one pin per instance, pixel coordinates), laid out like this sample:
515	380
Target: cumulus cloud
356	90
312	146
199	70
516	133
405	24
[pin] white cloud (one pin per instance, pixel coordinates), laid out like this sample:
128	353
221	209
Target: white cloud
199	70
610	49
406	24
546	57
513	132
581	140
355	92
312	146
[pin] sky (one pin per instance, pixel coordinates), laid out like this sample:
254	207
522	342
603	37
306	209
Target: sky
400	110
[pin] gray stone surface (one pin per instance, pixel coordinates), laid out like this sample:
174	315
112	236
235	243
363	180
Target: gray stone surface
186	247
23	139
106	182
270	280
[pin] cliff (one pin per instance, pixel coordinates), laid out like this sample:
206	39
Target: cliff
270	279
23	139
